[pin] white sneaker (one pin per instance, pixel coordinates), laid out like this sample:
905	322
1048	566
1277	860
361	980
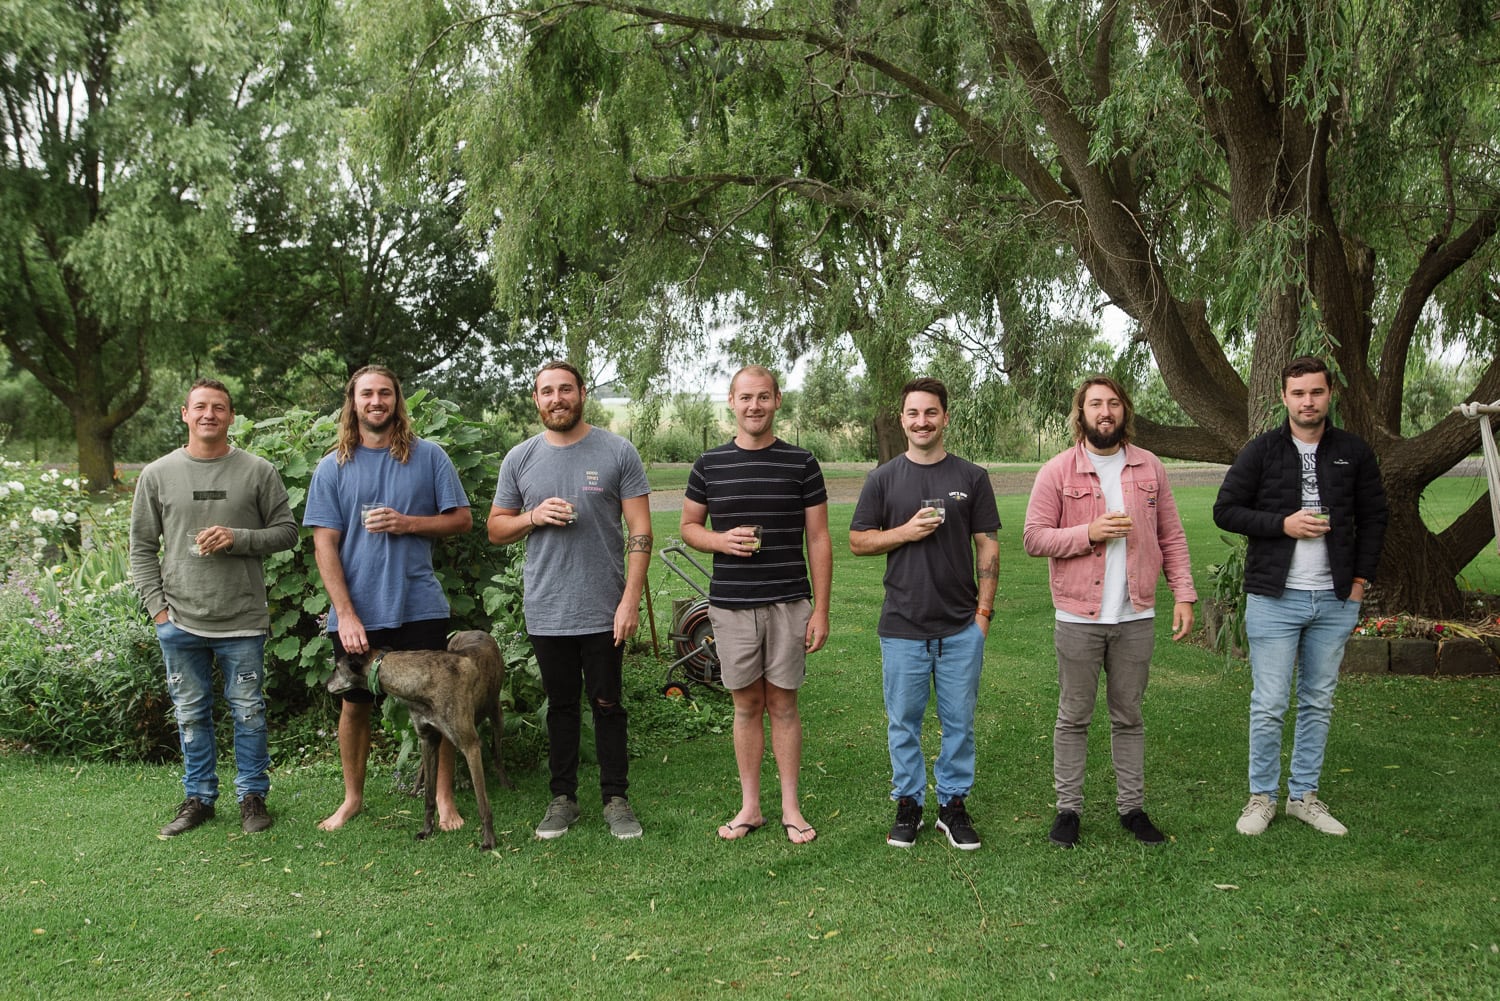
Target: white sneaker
1257	814
1312	810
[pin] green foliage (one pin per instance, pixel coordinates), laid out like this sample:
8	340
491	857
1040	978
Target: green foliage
80	669
1226	593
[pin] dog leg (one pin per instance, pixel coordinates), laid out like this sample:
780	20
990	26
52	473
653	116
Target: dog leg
468	742
431	737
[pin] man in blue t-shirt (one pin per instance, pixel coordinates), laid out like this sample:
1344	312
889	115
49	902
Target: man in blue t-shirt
375	505
564	492
764	497
934	516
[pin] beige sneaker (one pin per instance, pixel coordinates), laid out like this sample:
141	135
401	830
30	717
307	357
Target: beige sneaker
1257	814
1312	810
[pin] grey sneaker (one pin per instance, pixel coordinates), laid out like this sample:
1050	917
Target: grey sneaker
253	815
621	818
192	812
1312	810
1257	814
561	813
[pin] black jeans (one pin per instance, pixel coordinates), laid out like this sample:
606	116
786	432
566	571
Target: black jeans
572	666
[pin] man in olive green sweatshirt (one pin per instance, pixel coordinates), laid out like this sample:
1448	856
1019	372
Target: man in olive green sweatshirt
203	518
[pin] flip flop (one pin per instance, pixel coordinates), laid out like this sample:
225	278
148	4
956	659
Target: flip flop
808	834
745	826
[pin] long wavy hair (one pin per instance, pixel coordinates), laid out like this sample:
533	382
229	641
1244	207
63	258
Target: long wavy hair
401	432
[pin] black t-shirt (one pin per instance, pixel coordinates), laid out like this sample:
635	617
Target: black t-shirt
771	487
930	589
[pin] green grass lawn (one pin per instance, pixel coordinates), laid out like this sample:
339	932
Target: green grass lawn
92	904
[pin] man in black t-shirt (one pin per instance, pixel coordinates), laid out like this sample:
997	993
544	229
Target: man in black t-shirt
764	497
934	516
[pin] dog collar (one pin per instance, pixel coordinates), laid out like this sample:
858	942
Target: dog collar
372	674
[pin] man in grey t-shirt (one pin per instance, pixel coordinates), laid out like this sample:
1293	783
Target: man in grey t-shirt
203	517
564	491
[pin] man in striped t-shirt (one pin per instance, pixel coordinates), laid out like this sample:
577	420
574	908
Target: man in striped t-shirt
765	498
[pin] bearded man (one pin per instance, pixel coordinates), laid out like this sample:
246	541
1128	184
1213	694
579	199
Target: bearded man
564	491
1104	516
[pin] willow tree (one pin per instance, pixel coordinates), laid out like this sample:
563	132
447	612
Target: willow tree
1245	181
122	127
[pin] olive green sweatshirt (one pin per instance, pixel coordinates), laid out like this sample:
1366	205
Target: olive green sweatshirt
223	593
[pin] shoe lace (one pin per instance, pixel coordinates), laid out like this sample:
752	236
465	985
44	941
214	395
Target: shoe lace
1315	806
1255	808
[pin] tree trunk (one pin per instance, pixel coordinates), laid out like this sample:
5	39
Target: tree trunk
890	440
1417	573
96	450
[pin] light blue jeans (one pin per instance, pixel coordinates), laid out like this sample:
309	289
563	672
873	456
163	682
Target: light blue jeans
912	670
190	662
1308	630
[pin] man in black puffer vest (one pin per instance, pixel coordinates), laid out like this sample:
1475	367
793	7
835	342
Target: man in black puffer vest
1309	498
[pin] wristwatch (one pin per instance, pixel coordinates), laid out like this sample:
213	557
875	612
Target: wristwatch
988	613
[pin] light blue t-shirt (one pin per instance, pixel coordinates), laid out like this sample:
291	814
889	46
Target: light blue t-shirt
575	574
390	577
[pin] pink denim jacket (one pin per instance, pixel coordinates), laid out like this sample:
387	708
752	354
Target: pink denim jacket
1067	496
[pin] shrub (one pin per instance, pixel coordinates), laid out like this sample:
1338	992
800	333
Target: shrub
82	673
42	514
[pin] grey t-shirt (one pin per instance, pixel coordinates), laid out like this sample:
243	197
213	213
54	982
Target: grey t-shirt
575	574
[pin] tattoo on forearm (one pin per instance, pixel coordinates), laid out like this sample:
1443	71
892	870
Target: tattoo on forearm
638	544
992	536
990	570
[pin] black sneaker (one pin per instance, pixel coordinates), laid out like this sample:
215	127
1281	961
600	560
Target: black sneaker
253	815
953	820
1064	831
1137	823
908	823
190	814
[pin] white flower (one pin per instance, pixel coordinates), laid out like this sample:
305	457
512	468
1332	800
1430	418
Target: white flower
71	518
16	486
14	526
38	543
44	516
70	483
4	491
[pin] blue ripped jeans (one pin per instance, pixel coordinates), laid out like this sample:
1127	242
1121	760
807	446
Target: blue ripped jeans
190	661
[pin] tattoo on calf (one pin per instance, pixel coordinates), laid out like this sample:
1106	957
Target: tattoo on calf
638	544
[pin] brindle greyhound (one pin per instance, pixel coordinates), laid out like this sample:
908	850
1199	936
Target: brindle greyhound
448	693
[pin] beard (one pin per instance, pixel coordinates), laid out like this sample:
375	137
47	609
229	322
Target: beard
373	428
564	420
1104	440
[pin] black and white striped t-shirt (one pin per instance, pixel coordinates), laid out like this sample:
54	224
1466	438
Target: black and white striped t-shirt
772	487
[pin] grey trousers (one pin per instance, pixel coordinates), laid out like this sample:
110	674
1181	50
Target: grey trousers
1123	651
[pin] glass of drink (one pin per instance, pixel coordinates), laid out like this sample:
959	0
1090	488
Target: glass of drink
365	510
755	546
938	512
572	502
193	546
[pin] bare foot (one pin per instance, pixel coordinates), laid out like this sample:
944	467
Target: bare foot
449	819
345	813
740	825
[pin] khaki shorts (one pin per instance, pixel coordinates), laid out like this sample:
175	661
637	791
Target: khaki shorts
768	641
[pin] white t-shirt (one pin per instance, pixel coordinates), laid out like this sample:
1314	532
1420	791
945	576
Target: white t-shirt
1309	570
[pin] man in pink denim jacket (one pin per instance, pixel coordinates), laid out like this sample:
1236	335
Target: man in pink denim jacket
1103	515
